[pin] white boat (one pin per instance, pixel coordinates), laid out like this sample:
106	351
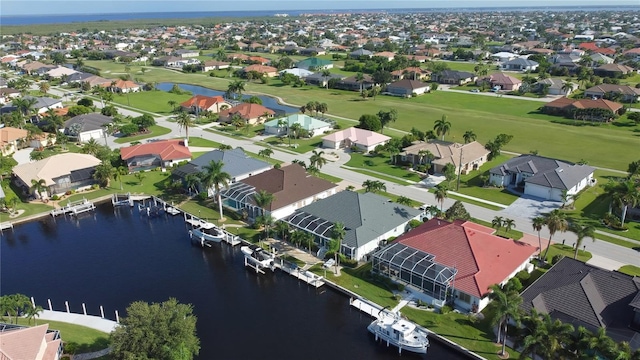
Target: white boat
206	233
172	211
403	334
257	257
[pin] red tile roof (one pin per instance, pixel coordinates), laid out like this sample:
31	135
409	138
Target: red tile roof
247	111
165	149
202	102
482	259
263	69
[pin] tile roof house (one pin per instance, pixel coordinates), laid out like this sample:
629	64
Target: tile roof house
215	65
569	107
472	155
613	70
453	77
163	153
61	172
200	103
249	112
584	295
59	72
501	81
628	93
414	73
268	71
235	163
364	140
87	126
11	138
542	177
352	84
312	125
290	185
555	86
481	258
121	86
368	219
33	343
407	88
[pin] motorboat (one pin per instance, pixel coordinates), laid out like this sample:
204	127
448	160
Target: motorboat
206	233
405	335
258	258
172	211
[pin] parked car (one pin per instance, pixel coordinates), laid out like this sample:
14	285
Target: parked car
475	90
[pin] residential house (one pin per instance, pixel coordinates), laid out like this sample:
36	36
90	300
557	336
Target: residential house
555	86
585	295
407	88
7	95
368	220
603	91
501	81
585	109
37	68
520	64
453	77
186	53
601	59
503	56
250	113
321	80
291	187
301	73
352	84
200	103
453	261
59	72
33	343
235	162
43	140
465	157
163	154
313	51
61	173
87	126
542	177
11	139
40	106
388	55
122	86
413	73
360	53
363	140
613	70
215	65
268	71
308	123
314	63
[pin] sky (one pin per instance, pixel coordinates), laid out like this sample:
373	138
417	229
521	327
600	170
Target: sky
57	7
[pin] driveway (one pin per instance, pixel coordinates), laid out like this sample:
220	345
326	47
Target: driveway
23	156
529	207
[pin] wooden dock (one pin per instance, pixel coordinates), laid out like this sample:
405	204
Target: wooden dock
74	208
366	307
304	275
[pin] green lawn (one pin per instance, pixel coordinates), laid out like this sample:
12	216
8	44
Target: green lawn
200	142
299	146
630	270
155	130
381	163
151	101
512	234
392	197
83	338
567	250
471	184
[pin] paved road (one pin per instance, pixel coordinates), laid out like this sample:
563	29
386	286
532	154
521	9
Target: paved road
606	254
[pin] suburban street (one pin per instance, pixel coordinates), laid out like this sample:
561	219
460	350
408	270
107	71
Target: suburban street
605	254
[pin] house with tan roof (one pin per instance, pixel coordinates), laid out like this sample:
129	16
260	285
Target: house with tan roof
465	157
583	109
453	261
210	65
363	140
61	173
290	185
268	71
163	153
200	103
250	113
11	139
33	343
501	81
59	72
613	70
121	86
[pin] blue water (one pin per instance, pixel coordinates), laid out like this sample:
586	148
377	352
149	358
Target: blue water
267	101
116	256
74	18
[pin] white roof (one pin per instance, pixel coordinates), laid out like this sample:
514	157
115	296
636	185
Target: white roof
357	135
54	167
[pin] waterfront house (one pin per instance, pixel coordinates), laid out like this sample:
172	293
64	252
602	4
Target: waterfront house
33	343
363	140
464	157
368	219
235	163
11	139
121	86
310	124
249	112
407	88
459	258
200	103
542	177
290	185
61	173
584	295
268	71
87	126
163	153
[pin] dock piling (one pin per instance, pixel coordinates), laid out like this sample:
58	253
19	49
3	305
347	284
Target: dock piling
101	312
66	304
84	309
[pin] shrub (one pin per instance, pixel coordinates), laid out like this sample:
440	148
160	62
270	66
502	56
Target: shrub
445	309
202	196
556	258
414	223
55	197
523	275
350	263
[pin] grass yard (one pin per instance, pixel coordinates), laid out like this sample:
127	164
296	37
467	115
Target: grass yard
471	184
392	197
566	250
155	130
84	339
630	270
512	234
380	163
300	146
151	101
200	142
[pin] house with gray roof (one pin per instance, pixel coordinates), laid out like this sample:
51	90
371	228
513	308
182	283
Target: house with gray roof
235	163
359	53
542	177
520	64
368	219
584	295
555	86
87	126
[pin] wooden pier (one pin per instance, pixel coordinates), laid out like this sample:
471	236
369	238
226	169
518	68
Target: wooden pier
74	208
304	275
367	307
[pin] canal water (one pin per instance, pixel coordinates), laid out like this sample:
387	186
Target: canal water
116	256
267	101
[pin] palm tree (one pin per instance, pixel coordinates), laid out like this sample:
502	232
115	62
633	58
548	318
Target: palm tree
263	199
469	136
325	75
506	306
267	222
403	200
538	223
624	194
338	234
32	312
441	193
633	169
44	87
559	334
360	80
119	173
103	173
282	227
213	176
508	225
532	334
237	121
497	223
38	186
173	104
265	152
184	120
193	182
317	159
425	154
294	130
374	186
91	147
442	126
555	221
567	87
581	233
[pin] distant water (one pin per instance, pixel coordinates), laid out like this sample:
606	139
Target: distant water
75	18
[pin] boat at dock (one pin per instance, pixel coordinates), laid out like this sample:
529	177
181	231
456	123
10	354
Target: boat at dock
405	335
258	258
172	211
206	233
